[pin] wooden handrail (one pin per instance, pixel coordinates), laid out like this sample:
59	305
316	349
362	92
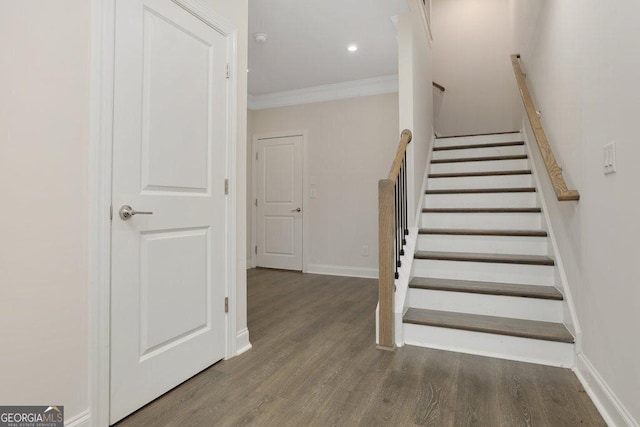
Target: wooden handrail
405	139
392	228
555	173
438	86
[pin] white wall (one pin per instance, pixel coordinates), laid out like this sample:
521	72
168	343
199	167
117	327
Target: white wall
581	58
471	47
351	144
415	97
45	74
44	138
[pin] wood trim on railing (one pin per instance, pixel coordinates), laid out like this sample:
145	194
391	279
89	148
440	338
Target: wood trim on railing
386	247
555	173
386	267
405	139
438	86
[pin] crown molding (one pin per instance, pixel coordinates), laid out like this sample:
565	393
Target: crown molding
351	89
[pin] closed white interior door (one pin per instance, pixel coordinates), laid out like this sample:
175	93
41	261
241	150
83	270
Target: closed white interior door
169	157
279	213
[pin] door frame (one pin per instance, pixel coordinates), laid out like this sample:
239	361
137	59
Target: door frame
99	192
305	194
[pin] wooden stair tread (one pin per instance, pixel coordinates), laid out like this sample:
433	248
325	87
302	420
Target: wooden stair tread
478	134
487	145
480	232
534	329
482	210
482	173
487	288
481	257
480	159
482	190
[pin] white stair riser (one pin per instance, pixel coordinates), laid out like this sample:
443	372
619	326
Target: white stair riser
489	305
492	345
483	221
497	181
483	166
483	139
483	244
480	152
485	271
481	200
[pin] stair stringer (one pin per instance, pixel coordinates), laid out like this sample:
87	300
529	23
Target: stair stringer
406	271
570	318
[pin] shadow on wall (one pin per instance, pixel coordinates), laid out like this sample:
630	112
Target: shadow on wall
438	97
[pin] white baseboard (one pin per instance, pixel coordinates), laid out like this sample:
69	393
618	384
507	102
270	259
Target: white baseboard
83	419
402	284
610	407
242	342
340	270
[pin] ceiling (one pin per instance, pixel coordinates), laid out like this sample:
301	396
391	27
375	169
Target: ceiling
307	42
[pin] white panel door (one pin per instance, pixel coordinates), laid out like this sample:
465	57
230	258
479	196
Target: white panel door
169	158
279	212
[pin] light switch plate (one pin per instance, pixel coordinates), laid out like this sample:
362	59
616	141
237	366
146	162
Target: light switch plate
609	158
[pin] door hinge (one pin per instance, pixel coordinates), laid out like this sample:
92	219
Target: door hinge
228	71
226	187
226	304
111	212
256	250
256	202
256	155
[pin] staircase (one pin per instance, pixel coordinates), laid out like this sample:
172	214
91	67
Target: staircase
484	278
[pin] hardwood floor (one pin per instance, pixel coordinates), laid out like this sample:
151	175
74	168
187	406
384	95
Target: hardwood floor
314	363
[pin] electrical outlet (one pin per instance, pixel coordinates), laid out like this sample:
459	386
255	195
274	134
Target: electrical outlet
609	158
365	250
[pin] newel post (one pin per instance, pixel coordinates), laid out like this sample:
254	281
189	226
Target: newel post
392	230
386	275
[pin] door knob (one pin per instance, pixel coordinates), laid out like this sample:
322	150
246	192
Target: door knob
296	210
127	212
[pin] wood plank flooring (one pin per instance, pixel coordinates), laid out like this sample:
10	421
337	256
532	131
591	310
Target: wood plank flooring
314	363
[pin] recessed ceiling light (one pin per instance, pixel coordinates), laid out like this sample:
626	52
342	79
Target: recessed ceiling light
352	47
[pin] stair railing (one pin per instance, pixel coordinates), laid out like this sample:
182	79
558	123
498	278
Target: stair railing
438	86
393	229
555	172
